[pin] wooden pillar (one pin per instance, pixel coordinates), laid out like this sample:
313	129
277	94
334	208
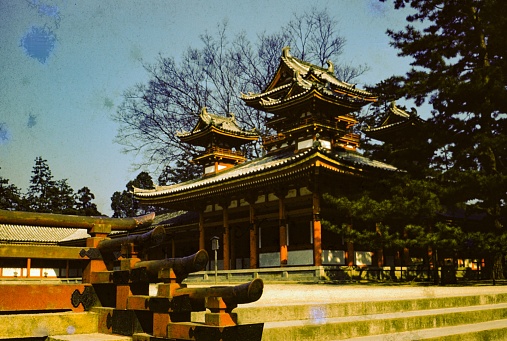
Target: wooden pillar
202	240
226	237
283	231
317	230
232	249
253	238
28	266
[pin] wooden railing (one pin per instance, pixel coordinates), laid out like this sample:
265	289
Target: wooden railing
224	151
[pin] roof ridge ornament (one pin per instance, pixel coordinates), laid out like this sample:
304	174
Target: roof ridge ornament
204	113
330	66
286	52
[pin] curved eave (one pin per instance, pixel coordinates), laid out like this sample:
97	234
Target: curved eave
199	137
345	101
254	97
392	130
278	171
323	75
219	156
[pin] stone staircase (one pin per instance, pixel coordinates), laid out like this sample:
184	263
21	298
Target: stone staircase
480	317
468	317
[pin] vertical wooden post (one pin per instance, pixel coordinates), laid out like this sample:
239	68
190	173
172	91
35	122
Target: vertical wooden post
94	265
317	229
28	266
253	238
282	231
202	239
226	237
232	249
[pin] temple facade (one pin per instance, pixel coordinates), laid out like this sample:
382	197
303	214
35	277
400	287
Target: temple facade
267	212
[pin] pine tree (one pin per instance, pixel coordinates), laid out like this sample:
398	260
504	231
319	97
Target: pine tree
458	51
42	187
123	203
10	196
84	204
62	198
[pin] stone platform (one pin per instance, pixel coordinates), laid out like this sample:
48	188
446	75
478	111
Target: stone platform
359	312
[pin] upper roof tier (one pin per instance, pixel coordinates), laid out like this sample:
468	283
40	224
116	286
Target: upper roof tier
397	124
210	124
297	83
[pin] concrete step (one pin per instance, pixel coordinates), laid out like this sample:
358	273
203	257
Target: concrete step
40	325
89	337
315	311
490	330
340	328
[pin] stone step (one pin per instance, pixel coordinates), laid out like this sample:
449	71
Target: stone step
340	328
490	330
315	311
39	325
89	337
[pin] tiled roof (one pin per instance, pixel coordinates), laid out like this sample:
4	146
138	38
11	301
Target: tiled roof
38	234
261	165
247	168
326	75
359	160
395	119
175	218
301	71
226	124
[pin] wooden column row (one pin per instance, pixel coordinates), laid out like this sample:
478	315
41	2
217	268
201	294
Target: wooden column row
253	233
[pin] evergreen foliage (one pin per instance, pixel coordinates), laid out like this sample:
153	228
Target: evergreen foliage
47	195
123	203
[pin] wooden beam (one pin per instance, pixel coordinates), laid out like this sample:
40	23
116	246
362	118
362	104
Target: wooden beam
38	297
41	251
92	224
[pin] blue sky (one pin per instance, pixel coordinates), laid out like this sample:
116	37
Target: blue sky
65	64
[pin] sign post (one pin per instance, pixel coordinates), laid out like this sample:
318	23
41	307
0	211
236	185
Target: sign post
215	246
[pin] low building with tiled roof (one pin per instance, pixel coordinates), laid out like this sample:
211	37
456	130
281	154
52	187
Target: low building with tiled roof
44	245
38	238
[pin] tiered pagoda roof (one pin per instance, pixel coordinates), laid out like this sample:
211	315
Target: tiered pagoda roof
222	137
210	126
398	124
296	81
307	100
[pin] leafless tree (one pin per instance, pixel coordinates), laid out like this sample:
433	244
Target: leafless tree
213	76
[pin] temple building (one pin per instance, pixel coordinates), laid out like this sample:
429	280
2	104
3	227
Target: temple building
267	212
